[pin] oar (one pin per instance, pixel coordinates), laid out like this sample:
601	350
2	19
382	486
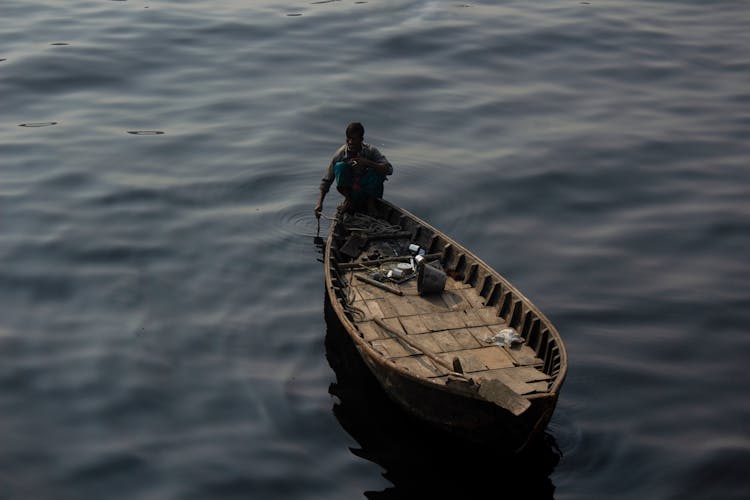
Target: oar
491	390
378	284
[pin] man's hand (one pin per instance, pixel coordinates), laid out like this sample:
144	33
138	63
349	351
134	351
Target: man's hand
380	168
318	209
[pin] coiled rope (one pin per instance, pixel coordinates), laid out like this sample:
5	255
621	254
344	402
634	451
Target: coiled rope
366	224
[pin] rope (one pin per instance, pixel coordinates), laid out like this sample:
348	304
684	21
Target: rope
368	224
354	311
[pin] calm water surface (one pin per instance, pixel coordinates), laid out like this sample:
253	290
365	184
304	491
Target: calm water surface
162	324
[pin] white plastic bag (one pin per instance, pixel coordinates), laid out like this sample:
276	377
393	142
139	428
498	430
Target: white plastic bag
507	337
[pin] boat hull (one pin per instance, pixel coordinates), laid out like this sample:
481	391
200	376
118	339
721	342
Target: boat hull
475	420
452	405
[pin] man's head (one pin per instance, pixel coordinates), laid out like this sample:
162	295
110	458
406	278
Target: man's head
355	134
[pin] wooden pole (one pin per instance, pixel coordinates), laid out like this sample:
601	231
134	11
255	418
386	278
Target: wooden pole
351	265
378	284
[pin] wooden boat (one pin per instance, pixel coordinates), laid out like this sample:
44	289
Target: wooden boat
440	353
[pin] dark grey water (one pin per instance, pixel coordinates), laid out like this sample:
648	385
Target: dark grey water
162	326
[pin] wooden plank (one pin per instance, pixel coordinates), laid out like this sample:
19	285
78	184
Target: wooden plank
493	357
529	374
443	321
369	292
413	304
469	362
489	316
499	393
427	342
519	380
392	348
480	359
447	342
429	304
451	284
409	287
380	348
413	325
482	334
516	386
454	300
404	306
392	323
420	366
465	338
374	307
434	303
471	295
370	331
387	309
523	355
471	319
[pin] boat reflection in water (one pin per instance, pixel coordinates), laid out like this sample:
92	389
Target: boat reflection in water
420	461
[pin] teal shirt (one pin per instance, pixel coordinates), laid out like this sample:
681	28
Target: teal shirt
369	152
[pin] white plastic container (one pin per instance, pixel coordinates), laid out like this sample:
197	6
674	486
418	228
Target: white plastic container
395	273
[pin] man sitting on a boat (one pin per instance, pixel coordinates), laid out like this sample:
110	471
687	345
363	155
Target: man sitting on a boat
359	170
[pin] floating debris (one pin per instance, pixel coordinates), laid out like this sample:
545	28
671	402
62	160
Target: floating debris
145	132
37	124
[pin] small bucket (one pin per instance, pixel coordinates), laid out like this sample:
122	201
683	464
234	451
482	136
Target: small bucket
430	279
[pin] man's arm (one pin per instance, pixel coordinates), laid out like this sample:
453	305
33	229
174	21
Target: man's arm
376	160
325	183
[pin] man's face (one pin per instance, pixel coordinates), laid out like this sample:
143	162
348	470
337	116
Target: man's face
354	143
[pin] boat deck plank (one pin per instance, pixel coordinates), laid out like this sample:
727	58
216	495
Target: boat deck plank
370	331
524	355
521	379
392	348
446	341
489	315
480	359
482	334
428	342
465	338
422	366
454	301
470	295
443	321
413	325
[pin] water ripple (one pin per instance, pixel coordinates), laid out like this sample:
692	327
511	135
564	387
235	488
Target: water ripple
161	331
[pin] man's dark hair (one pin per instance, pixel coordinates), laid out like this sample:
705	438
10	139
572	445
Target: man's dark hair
355	129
